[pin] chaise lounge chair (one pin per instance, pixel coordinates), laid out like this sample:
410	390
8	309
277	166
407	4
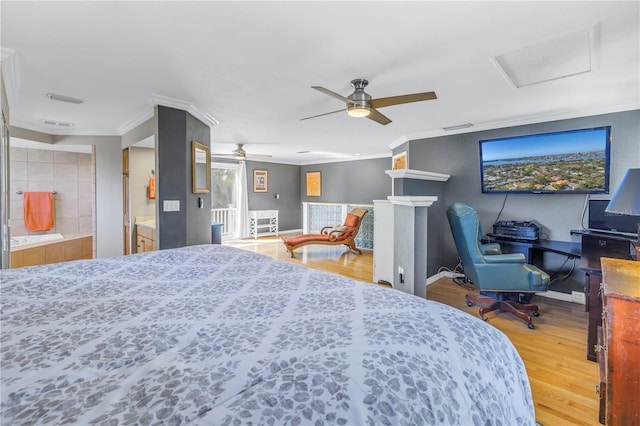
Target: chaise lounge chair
331	235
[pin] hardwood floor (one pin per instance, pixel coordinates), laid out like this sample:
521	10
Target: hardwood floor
562	379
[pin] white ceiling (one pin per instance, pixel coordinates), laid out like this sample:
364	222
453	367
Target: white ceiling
249	66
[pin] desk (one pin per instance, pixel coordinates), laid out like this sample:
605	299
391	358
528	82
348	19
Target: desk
592	247
620	357
595	246
534	250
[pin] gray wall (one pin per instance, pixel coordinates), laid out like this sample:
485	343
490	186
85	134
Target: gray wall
282	179
198	205
457	155
191	225
360	181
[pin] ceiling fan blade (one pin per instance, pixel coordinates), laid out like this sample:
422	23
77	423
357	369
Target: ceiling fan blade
258	155
403	99
330	93
326	113
376	116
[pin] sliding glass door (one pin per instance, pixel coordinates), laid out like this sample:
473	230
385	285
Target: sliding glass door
225	197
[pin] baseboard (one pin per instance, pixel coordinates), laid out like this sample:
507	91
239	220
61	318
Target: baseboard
290	231
443	274
574	297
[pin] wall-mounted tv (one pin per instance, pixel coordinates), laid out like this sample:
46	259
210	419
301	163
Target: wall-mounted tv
575	161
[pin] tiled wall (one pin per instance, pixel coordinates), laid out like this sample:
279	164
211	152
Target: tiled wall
70	174
320	215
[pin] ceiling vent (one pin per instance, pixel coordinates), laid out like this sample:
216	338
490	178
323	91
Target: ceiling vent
559	57
63	98
55	123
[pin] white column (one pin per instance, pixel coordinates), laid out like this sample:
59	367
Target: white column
410	243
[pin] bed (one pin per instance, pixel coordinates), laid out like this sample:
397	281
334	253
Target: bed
213	334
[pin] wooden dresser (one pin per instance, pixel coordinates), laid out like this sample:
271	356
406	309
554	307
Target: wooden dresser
619	349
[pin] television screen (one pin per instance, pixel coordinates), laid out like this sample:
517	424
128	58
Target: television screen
575	161
599	220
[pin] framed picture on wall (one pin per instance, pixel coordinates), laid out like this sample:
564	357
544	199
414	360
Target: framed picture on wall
314	184
259	181
399	161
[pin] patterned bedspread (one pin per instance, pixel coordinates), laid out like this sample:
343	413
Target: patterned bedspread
216	335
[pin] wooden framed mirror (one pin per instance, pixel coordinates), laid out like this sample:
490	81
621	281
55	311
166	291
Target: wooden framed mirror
200	168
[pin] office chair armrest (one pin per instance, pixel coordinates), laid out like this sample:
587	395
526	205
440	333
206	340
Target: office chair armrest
538	279
490	249
505	258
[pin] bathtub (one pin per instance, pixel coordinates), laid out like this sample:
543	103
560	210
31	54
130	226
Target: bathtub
43	249
34	239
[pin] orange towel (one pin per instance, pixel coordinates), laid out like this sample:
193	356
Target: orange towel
38	211
152	188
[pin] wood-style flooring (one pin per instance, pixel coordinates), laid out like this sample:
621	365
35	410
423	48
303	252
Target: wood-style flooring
562	379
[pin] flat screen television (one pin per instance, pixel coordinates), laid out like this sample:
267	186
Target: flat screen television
574	161
599	220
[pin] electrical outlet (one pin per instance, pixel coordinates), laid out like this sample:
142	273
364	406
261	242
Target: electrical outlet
401	274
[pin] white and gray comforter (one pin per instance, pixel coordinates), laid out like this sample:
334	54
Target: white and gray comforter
216	335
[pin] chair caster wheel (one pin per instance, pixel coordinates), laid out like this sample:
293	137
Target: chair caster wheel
535	313
483	317
469	303
531	326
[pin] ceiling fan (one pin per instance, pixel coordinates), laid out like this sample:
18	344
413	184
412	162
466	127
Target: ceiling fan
240	154
360	103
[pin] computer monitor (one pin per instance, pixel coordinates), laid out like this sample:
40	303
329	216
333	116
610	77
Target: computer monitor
601	221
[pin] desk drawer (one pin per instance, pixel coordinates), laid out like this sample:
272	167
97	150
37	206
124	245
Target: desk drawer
263	214
608	246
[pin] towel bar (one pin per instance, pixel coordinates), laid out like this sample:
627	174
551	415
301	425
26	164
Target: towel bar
20	192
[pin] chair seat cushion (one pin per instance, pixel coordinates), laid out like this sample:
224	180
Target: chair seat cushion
306	238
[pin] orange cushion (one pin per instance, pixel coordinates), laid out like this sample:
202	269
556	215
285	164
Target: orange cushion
294	241
320	238
351	220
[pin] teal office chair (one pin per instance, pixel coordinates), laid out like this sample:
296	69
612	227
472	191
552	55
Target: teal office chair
505	281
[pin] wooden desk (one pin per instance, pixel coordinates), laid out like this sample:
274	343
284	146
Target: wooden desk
534	250
592	247
592	251
619	349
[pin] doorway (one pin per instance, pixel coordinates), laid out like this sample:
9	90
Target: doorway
67	172
225	197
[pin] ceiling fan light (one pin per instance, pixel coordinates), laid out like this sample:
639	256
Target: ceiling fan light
358	111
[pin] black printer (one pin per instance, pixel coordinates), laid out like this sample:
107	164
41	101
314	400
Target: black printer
517	230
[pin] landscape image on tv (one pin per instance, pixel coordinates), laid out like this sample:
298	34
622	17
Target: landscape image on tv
573	161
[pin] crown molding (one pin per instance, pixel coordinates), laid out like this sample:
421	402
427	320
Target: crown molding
520	121
401	140
166	101
185	106
136	120
10	74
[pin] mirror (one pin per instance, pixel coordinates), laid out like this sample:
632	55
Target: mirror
200	167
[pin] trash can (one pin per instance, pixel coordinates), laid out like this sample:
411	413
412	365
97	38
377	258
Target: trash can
216	233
